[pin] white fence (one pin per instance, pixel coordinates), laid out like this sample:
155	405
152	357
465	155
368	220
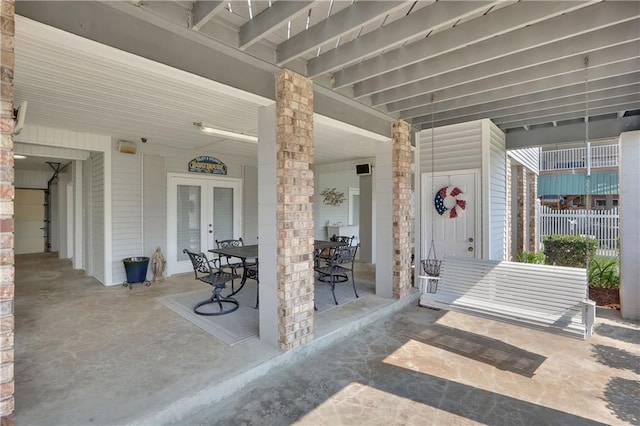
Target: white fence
601	224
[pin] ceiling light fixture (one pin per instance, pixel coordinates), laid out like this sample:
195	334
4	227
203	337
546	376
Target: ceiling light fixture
226	133
19	157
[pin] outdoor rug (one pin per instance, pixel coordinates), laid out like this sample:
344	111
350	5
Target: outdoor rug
243	324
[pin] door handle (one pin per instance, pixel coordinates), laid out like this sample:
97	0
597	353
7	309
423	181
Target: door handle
470	249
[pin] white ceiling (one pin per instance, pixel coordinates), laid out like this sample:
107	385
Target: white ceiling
76	84
535	68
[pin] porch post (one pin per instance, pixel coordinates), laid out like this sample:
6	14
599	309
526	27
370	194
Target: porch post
402	211
7	271
521	219
532	199
286	164
629	223
509	212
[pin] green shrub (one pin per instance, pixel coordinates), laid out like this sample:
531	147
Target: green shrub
604	272
569	250
531	257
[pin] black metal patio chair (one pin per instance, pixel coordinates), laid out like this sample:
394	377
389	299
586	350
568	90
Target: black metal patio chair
230	262
252	272
326	254
208	271
338	267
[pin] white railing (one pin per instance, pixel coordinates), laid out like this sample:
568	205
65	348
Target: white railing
576	158
601	224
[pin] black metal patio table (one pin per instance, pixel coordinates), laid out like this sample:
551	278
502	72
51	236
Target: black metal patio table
251	252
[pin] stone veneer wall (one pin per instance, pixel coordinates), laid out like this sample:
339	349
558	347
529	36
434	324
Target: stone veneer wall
509	214
532	196
402	211
521	220
294	209
7	32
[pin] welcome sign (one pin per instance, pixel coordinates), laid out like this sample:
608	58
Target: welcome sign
209	165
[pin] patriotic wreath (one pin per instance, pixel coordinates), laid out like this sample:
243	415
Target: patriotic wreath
449	202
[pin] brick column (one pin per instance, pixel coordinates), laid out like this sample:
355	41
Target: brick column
521	219
294	209
509	214
532	197
7	31
402	213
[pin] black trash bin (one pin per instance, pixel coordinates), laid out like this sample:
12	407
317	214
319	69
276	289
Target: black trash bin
136	270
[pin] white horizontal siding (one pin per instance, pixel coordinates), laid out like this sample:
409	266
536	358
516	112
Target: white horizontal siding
154	204
455	147
342	177
50	136
126	211
528	157
50	151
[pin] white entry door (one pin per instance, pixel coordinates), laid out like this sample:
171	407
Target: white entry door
29	220
201	210
452	236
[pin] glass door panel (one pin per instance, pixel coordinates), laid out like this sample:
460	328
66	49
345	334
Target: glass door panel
188	220
223	213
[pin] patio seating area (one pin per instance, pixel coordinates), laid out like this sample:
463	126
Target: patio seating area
86	353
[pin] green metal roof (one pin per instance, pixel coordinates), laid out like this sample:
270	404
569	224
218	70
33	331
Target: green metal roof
601	184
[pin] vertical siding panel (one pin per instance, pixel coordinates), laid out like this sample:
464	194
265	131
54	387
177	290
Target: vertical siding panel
498	193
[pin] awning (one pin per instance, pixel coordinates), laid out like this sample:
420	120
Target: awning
601	184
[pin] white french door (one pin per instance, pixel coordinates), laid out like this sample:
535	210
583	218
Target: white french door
200	211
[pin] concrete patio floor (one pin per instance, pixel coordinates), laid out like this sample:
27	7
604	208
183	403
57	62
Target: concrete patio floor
88	354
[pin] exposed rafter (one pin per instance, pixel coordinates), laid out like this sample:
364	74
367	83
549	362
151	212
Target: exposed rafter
490	90
571	132
356	15
437	15
515	96
570	112
521	42
269	20
203	11
542	62
486	27
517	106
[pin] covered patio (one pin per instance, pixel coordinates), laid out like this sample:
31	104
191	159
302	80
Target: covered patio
307	96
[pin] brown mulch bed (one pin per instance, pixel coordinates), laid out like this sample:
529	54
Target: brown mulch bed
607	297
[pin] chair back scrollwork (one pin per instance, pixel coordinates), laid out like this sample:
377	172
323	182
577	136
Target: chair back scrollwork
344	254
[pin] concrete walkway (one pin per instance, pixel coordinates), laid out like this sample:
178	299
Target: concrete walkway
93	355
426	367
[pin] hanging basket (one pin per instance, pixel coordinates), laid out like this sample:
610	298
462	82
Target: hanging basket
431	267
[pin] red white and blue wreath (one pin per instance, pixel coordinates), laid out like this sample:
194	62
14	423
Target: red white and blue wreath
449	202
